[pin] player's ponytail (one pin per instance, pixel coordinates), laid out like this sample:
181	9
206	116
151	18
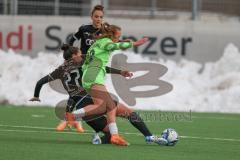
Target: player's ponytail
68	51
106	30
64	47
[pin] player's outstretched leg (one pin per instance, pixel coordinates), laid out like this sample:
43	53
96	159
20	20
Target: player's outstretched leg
139	124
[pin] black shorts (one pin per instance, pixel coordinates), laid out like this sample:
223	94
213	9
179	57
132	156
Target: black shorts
79	102
97	122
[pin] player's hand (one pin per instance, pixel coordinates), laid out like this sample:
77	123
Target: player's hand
126	74
140	42
35	99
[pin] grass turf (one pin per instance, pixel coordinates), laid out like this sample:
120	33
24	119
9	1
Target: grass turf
27	133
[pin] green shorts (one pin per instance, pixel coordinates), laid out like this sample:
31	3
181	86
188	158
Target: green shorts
91	76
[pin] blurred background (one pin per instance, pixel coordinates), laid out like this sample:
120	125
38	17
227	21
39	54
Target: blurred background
124	8
176	27
197	40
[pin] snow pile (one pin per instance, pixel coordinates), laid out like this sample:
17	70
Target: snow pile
212	87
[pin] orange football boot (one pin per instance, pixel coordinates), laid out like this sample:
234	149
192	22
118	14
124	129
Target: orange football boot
72	122
61	126
118	140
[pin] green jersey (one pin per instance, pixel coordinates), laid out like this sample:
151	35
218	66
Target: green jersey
96	60
98	54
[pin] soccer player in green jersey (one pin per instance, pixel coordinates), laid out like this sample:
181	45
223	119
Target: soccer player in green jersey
94	76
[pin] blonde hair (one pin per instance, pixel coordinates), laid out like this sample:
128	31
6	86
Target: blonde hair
106	31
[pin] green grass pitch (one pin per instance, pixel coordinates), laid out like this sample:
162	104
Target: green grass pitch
27	133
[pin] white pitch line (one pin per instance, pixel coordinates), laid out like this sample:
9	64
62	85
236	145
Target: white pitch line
219	118
30	127
91	132
31	131
210	138
38	115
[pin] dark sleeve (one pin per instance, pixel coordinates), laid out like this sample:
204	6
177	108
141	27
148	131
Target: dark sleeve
56	74
112	70
76	36
39	85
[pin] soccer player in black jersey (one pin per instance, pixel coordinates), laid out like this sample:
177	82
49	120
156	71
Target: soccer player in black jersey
70	74
85	32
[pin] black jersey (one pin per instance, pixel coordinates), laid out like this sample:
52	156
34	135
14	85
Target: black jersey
85	33
70	76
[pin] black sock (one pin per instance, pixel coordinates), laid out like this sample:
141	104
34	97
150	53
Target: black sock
106	138
138	123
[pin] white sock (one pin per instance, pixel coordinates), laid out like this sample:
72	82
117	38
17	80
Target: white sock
79	113
96	134
79	119
113	128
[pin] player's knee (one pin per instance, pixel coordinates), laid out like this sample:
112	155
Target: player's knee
99	102
123	111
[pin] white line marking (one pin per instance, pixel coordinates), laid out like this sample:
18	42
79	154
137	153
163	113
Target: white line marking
30	127
221	118
208	138
89	132
38	115
31	131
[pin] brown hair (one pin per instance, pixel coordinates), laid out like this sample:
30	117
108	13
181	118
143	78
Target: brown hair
68	51
97	8
106	31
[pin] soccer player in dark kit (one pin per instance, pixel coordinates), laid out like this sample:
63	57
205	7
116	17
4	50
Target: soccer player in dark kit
85	32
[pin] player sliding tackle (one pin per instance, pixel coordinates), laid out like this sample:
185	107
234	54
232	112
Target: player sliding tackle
103	44
78	98
94	77
85	34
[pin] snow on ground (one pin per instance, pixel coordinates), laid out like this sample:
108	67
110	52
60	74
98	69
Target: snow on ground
212	87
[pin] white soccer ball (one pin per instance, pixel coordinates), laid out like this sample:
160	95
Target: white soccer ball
171	136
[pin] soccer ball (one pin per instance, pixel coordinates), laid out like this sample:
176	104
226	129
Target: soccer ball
171	136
